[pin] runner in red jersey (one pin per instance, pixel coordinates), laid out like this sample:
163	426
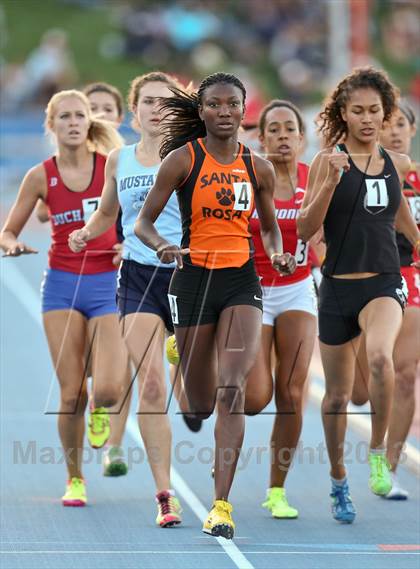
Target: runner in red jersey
78	292
289	305
397	135
106	102
68	211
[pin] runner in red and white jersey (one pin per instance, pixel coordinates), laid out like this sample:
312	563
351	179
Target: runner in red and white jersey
78	291
68	211
287	211
106	102
289	305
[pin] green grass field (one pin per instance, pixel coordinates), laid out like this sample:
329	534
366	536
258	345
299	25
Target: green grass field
27	20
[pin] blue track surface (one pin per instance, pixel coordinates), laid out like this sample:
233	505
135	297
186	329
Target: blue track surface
117	528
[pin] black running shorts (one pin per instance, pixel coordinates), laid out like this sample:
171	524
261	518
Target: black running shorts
198	295
144	288
341	301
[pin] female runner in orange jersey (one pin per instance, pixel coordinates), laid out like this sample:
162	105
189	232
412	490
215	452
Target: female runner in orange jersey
215	295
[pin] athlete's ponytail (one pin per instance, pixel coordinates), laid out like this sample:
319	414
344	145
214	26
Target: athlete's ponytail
331	123
181	122
102	135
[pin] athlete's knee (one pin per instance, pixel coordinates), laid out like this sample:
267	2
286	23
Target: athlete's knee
335	402
405	379
290	396
296	396
231	399
107	396
73	402
153	388
380	363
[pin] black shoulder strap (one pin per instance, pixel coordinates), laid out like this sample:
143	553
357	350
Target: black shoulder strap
198	157
389	161
246	157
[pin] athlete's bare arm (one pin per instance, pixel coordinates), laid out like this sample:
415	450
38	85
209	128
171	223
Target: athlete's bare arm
404	221
270	233
172	172
41	211
33	187
324	175
106	214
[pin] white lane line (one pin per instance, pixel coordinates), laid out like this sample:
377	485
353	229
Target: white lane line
19	286
193	502
360	422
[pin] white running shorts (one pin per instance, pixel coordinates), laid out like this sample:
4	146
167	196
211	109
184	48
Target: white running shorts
295	296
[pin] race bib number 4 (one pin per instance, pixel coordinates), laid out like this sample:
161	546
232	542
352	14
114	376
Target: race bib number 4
243	196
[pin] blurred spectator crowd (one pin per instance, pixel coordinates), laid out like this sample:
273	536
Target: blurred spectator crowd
48	68
277	47
281	42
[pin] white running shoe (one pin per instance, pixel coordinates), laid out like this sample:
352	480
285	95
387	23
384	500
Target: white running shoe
396	492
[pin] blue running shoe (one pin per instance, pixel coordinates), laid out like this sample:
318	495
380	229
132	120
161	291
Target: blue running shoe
342	506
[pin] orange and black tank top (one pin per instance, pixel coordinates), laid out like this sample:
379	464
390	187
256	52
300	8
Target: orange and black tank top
216	202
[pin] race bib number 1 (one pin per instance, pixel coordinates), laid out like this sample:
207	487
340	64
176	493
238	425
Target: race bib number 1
377	193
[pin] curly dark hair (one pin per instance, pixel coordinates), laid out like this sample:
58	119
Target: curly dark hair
331	124
181	122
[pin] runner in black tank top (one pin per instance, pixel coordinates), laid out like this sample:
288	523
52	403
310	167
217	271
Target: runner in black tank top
359	226
397	135
353	192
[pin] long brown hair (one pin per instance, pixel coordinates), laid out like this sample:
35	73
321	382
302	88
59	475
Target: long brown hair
138	82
